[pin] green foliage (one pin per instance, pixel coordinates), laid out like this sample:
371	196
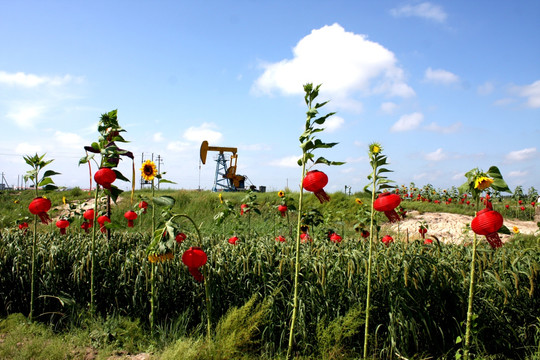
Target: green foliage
37	163
338	338
473	176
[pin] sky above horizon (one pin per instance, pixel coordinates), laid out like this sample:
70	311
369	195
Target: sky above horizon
444	87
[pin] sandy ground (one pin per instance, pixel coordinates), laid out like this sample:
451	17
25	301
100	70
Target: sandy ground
451	228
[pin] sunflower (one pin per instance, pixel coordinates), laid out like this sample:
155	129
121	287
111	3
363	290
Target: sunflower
148	170
375	148
220	198
281	193
359	201
482	182
515	230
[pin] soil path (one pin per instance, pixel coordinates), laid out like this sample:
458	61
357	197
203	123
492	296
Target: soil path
452	228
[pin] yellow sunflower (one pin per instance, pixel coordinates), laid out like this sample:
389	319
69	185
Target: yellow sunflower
375	148
148	170
515	230
359	201
220	198
281	193
482	182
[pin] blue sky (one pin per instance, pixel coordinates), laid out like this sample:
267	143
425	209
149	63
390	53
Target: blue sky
444	86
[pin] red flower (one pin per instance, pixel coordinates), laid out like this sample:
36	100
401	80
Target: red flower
101	221
522	208
89	215
304	238
422	230
282	209
335	238
533	204
387	239
387	202
105	177
62	225
244	208
180	237
143	205
85	226
233	240
194	258
487	222
507	206
280	238
130	216
23	227
365	234
428	241
520	202
39	206
315	181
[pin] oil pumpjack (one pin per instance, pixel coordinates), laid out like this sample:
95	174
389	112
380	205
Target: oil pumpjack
226	178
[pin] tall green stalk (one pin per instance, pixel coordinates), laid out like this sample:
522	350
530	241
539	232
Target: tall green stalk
472	285
296	265
153	268
93	253
370	256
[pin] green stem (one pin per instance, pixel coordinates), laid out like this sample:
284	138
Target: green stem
153	268
297	262
471	299
368	295
33	271
93	252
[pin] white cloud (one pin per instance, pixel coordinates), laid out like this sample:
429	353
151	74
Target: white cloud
486	88
503	102
424	10
458	176
28	149
333	123
350	63
440	76
158	137
203	132
178	146
437	155
388	107
289	161
520	155
69	140
517	173
31	80
26	115
444	129
408	122
532	93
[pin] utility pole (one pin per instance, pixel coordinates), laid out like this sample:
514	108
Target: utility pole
159	161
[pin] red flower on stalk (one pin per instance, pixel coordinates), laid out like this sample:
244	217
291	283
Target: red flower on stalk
23	227
282	209
364	234
244	208
280	238
387	239
89	215
143	205
101	221
507	206
387	202
533	204
194	258
180	237
428	242
304	238
62	224
520	202
315	181
487	222
85	226
39	206
233	240
522	208
105	177
130	216
422	230
335	238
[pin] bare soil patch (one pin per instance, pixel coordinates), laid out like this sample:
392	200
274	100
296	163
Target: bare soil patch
452	228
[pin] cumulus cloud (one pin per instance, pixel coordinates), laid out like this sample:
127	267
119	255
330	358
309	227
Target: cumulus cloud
178	146
424	10
455	127
158	137
350	64
32	80
440	76
437	155
486	88
204	132
520	155
517	173
532	93
70	141
28	149
333	123
408	122
26	115
289	161
388	107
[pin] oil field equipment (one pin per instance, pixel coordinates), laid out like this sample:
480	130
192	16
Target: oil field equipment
226	178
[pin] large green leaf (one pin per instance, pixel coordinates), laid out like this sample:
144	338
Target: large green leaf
164	200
